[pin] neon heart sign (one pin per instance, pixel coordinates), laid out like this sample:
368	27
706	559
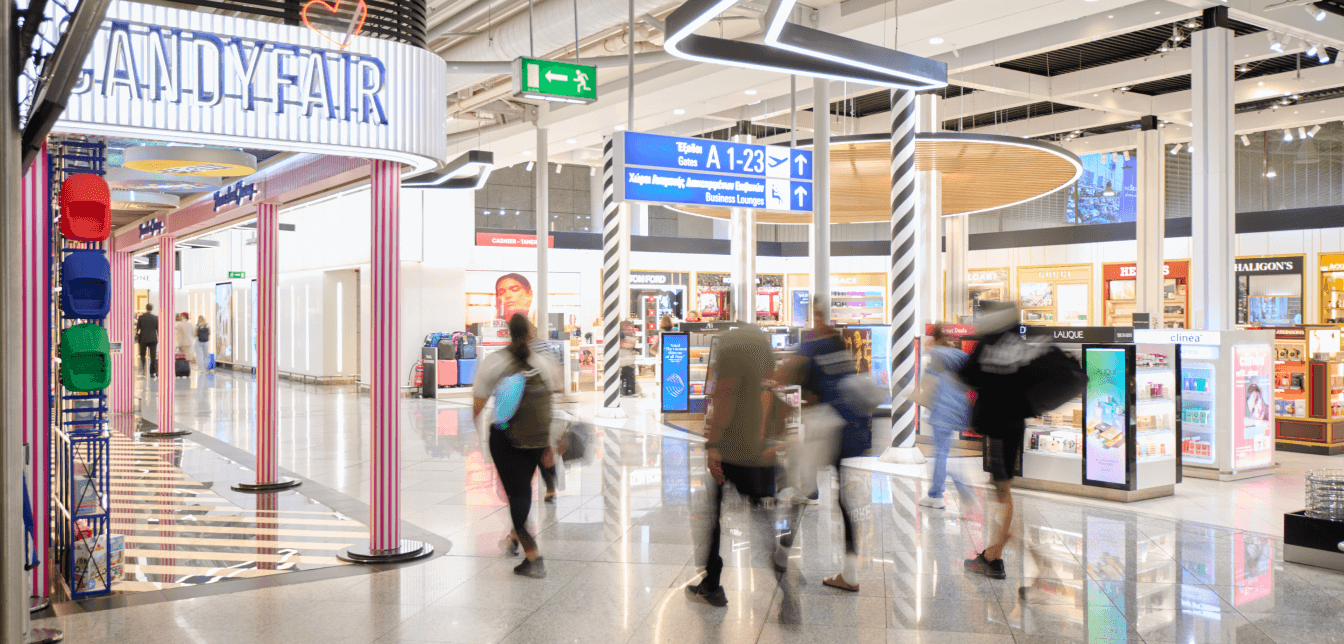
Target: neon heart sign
356	21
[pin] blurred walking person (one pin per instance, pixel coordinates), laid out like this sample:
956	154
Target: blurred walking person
521	381
836	426
147	335
736	431
999	414
949	408
182	332
202	333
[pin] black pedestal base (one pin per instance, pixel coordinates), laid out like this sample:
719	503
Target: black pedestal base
266	488
173	434
43	636
361	553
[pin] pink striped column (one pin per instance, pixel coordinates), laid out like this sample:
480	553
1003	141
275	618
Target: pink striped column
34	230
119	324
167	347
385	542
268	376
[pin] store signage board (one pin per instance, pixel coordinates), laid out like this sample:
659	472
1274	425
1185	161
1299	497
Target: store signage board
1176	336
235	194
653	168
191	77
676	357
554	80
1270	266
1079	334
509	240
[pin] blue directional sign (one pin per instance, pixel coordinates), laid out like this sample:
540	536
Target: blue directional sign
702	172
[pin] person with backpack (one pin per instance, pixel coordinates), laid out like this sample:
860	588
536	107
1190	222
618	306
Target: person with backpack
202	343
521	380
949	408
836	426
737	431
999	414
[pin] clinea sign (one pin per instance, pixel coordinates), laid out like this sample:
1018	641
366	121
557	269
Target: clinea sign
554	80
221	80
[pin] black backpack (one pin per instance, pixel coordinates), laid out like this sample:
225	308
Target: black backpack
203	333
530	426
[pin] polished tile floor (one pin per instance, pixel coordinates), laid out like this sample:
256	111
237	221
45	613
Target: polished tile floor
621	543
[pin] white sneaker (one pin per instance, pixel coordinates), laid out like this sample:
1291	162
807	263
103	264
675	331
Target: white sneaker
932	502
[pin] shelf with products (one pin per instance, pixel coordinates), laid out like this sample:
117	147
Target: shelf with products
1197	413
1309	389
1057	433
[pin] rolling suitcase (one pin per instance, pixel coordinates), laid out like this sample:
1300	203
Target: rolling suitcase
181	368
447	349
466	371
447	372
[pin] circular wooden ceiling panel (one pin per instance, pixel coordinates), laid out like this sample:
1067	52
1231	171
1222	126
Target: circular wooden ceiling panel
979	172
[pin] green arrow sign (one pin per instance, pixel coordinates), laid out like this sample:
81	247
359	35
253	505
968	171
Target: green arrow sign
553	80
237	275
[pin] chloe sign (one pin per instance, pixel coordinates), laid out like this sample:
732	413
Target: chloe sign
222	80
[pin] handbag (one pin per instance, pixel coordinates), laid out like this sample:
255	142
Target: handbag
573	444
927	393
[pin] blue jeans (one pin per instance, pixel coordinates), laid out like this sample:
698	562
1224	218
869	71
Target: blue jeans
942	443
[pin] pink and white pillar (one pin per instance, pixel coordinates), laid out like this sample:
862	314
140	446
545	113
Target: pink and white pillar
34	230
119	324
167	346
268	375
385	542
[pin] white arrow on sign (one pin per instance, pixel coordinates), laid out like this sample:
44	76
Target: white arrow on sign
801	192
801	161
552	76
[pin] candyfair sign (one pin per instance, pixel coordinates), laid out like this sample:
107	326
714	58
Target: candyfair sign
212	79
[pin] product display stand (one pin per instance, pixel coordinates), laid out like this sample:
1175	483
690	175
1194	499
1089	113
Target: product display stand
1309	390
1226	401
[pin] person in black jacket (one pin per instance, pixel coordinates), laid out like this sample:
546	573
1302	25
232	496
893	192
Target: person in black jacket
999	414
147	334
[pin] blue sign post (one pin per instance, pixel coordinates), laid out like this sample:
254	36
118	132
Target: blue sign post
717	174
676	368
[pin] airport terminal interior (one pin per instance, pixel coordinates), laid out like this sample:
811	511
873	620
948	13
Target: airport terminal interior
287	284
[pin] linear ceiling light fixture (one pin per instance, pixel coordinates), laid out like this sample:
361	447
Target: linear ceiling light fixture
795	49
458	174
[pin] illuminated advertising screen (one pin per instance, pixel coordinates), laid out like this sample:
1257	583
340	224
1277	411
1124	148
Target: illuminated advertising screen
1253	397
1105	415
1107	191
676	357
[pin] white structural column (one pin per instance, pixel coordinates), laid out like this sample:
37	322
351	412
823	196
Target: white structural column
1151	221
929	197
542	287
821	199
35	227
14	589
612	285
903	279
956	290
742	248
1213	225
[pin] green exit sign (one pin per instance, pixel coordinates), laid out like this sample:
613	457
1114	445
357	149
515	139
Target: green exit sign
237	275
553	80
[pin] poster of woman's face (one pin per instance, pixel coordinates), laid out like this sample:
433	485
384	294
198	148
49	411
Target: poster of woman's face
494	296
513	294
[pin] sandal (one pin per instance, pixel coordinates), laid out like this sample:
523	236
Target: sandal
838	581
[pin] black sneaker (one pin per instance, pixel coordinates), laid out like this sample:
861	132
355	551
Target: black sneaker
992	569
715	598
510	546
534	568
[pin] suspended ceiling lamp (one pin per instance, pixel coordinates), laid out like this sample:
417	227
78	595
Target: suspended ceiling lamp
184	161
1108	192
1270	173
128	179
142	201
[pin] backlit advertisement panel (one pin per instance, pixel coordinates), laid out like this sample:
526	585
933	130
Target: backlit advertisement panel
676	357
1107	191
1105	415
1253	397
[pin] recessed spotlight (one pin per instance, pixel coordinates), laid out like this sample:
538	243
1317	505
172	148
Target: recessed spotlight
571	141
527	153
678	111
935	41
1270	173
1192	24
750	92
620	128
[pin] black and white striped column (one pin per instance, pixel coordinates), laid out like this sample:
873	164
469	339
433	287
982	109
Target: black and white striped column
611	284
903	279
